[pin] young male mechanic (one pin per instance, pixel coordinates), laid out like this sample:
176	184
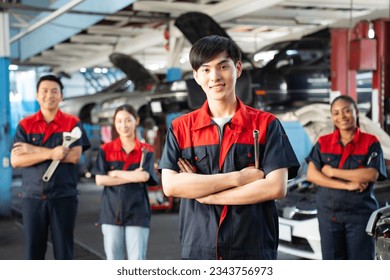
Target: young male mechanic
227	208
48	205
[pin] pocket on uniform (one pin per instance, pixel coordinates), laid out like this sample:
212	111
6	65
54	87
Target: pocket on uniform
244	156
358	161
197	157
332	160
36	139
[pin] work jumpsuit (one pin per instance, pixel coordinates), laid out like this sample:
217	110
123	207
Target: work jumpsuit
126	205
234	231
343	214
53	204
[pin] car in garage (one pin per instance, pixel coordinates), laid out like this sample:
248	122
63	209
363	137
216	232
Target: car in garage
299	74
138	84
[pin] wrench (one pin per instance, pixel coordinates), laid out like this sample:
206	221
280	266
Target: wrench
142	156
68	139
256	144
374	154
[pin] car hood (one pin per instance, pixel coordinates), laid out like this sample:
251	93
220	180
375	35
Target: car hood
196	25
315	119
135	71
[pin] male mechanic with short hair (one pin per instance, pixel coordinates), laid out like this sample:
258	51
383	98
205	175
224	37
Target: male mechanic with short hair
48	205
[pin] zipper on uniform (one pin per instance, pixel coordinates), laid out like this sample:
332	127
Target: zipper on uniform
225	207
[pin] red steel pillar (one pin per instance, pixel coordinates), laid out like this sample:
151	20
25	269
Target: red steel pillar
343	80
381	76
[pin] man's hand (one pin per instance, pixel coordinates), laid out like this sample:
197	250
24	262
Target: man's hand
22	148
185	166
327	170
59	153
249	175
356	186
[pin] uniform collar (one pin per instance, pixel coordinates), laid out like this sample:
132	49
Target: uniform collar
117	144
204	118
57	118
336	136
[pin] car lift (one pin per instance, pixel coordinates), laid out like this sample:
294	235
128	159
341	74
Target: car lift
352	51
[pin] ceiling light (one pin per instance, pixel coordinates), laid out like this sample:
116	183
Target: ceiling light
13	67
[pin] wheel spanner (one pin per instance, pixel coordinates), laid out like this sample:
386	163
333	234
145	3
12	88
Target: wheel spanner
68	139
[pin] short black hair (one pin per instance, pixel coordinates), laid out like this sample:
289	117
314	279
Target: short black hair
50	78
206	48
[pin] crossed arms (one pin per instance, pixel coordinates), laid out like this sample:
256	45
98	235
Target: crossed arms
120	177
24	154
344	179
247	186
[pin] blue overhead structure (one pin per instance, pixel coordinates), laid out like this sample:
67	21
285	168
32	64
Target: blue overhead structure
5	138
60	27
174	74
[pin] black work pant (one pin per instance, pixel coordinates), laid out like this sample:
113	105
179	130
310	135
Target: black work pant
56	215
345	241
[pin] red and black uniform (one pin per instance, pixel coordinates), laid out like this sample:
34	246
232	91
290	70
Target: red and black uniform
127	204
49	204
228	232
343	206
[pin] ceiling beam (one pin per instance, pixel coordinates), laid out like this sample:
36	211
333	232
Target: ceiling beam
173	8
126	46
62	27
98	39
47	19
230	9
338	4
123	31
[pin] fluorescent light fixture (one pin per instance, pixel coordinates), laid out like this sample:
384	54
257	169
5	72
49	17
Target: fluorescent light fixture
13	67
156	106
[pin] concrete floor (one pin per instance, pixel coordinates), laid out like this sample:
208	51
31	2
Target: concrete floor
163	239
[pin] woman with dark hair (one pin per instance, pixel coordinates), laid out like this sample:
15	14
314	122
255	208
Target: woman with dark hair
345	164
125	167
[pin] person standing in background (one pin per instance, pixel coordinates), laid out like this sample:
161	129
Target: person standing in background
125	167
345	164
48	206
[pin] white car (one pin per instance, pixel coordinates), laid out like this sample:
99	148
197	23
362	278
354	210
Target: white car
298	224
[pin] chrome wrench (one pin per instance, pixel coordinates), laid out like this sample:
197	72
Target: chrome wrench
143	150
373	155
256	144
68	139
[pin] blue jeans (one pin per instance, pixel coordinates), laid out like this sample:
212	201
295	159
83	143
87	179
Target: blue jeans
345	241
117	238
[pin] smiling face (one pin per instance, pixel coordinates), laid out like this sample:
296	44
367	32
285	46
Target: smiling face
344	115
218	77
49	95
125	124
